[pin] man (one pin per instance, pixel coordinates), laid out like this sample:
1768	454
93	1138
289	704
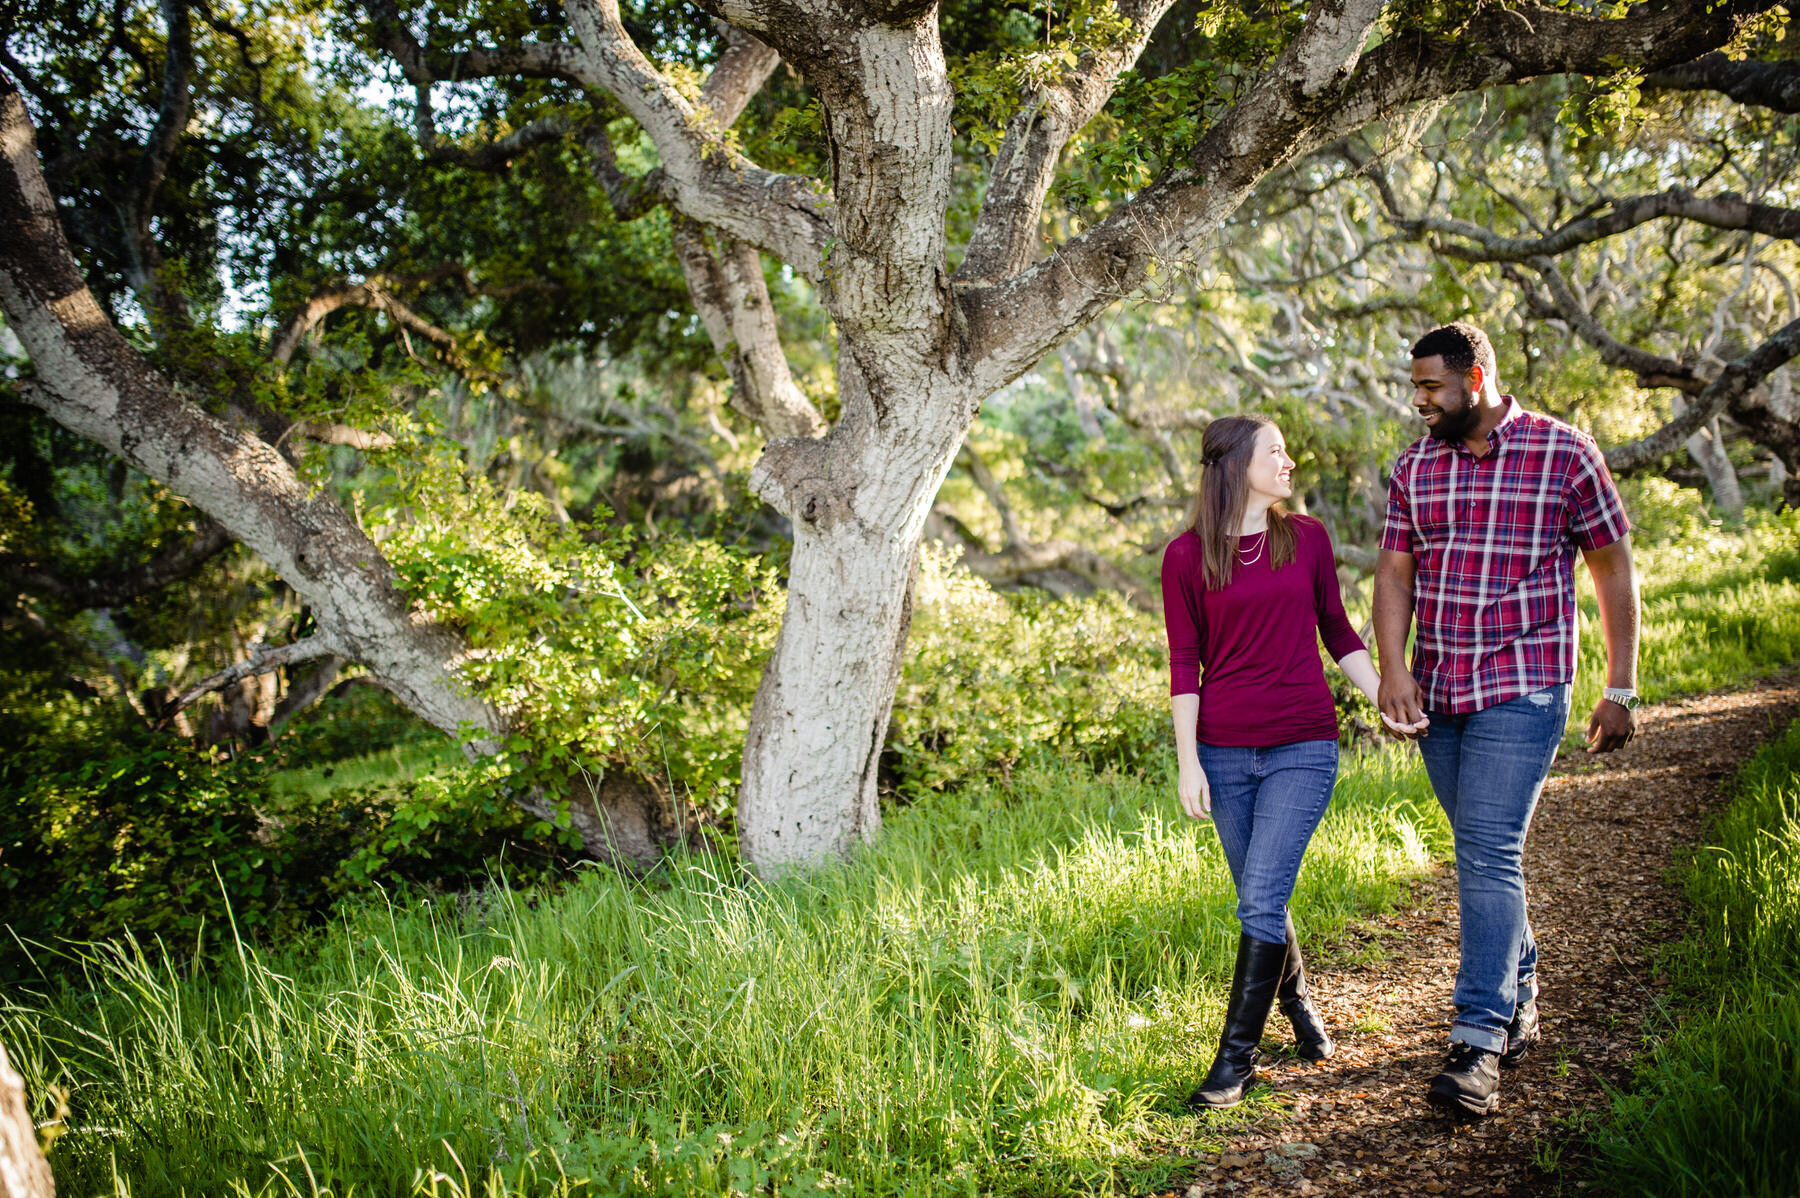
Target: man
1485	515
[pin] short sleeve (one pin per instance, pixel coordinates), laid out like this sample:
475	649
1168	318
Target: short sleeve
1397	530
1596	513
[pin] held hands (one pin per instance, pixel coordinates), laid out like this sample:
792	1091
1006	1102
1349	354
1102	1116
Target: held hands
1402	705
1610	728
1195	794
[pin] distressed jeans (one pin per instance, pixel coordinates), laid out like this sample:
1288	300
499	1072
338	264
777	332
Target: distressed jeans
1266	804
1488	768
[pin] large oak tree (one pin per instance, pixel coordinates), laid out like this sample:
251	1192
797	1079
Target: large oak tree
925	329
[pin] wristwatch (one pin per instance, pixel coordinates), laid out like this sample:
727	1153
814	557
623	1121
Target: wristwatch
1621	695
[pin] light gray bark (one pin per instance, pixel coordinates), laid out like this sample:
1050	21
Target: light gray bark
24	1173
1707	448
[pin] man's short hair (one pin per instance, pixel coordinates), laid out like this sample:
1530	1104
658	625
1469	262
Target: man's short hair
1461	345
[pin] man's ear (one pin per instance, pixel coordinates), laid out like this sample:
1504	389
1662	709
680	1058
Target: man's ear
1476	376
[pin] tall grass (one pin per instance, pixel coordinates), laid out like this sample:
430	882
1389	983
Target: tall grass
1717	1104
1012	993
1719	607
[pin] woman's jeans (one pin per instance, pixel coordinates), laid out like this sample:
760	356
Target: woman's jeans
1266	804
1488	769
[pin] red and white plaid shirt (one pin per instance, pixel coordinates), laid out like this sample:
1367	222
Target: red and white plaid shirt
1495	540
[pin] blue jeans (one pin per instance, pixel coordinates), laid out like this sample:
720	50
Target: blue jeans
1488	768
1266	804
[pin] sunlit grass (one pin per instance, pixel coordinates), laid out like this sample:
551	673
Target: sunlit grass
1718	1101
1011	993
398	763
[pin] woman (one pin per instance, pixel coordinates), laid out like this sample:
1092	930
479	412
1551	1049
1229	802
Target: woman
1245	591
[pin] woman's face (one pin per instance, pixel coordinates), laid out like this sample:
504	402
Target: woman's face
1270	475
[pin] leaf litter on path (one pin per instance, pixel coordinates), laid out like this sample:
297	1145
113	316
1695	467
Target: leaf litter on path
1604	902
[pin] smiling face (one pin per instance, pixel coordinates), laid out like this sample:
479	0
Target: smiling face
1445	398
1270	472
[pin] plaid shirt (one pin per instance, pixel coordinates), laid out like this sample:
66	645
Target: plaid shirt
1495	540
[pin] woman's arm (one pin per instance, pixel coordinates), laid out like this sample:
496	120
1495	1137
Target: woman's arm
1190	783
1359	667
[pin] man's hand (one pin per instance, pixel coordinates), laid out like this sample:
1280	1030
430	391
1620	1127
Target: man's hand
1196	795
1611	727
1402	704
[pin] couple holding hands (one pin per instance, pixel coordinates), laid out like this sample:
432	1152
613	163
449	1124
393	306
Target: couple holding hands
1485	515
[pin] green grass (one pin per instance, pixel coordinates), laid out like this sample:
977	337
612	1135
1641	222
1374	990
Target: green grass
1719	607
1717	1103
398	763
1011	993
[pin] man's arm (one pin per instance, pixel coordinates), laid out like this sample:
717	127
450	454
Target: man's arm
1616	587
1400	698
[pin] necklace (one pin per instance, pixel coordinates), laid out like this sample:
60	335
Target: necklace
1256	555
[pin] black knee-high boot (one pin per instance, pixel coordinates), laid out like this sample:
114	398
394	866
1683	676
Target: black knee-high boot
1253	982
1311	1040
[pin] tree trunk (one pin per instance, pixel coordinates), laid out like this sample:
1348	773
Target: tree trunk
1707	448
821	713
858	501
24	1173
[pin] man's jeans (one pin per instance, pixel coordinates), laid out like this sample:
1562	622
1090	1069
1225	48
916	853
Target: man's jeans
1266	804
1488	769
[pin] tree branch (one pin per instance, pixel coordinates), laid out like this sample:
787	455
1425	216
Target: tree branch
708	180
141	250
1725	211
377	292
1733	383
172	563
261	660
1012	533
739	74
494	155
1005	239
1774	85
1652	370
732	298
1319	90
423	66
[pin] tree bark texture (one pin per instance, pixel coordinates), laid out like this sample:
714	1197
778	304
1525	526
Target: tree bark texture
24	1173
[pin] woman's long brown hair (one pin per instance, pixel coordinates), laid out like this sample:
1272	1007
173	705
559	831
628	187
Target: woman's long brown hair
1225	452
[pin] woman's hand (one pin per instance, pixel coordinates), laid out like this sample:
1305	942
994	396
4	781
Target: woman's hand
1196	796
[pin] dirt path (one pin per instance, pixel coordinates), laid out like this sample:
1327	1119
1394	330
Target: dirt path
1601	904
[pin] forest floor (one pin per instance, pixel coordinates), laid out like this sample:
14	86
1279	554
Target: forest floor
1604	902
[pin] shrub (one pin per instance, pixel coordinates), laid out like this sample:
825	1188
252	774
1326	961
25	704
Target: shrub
989	676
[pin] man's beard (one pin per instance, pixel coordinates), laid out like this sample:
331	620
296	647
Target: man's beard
1457	425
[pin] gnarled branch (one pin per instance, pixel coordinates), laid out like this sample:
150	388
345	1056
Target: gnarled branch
1006	238
1725	211
262	659
1773	85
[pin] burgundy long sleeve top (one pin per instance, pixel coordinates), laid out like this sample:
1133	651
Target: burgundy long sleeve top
1264	684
